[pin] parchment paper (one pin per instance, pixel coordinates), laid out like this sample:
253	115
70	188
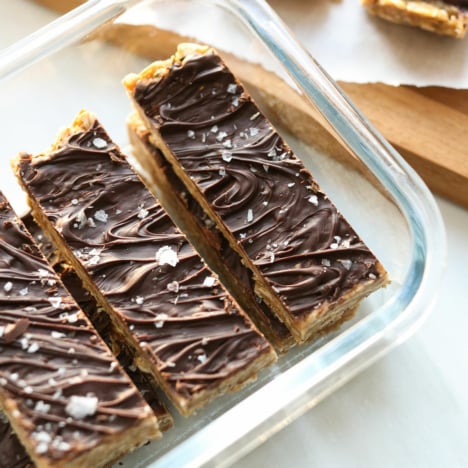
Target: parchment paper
350	44
356	47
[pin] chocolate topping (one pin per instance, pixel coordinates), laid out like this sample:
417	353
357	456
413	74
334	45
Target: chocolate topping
157	285
100	321
68	389
289	229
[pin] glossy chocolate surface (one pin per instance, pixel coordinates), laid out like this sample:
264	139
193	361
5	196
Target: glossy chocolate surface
142	264
69	390
288	228
100	321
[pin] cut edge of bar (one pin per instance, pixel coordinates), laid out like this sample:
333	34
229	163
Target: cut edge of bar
159	176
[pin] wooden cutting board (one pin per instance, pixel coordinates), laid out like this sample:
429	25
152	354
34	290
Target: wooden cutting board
428	126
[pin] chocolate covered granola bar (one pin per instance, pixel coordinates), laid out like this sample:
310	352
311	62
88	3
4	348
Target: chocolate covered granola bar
307	263
63	392
182	327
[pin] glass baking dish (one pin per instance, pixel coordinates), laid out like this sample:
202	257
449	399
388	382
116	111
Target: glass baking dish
78	62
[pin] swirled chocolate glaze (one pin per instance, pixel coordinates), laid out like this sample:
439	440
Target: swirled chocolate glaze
68	389
13	454
100	321
288	228
157	285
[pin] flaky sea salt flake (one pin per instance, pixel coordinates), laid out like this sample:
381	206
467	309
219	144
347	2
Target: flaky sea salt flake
82	219
101	216
72	318
227	156
313	199
79	407
42	273
42	407
24	342
209	281
202	358
99	143
41	448
139	300
232	88
61	445
167	256
33	348
221	135
57	335
41	436
173	286
160	319
142	213
55	302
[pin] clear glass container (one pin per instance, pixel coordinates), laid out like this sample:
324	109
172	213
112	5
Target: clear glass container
78	62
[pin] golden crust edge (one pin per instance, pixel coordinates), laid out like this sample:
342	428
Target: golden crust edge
435	17
160	68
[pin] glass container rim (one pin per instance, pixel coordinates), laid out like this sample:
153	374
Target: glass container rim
319	373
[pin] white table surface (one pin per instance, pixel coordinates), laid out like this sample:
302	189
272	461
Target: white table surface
410	409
